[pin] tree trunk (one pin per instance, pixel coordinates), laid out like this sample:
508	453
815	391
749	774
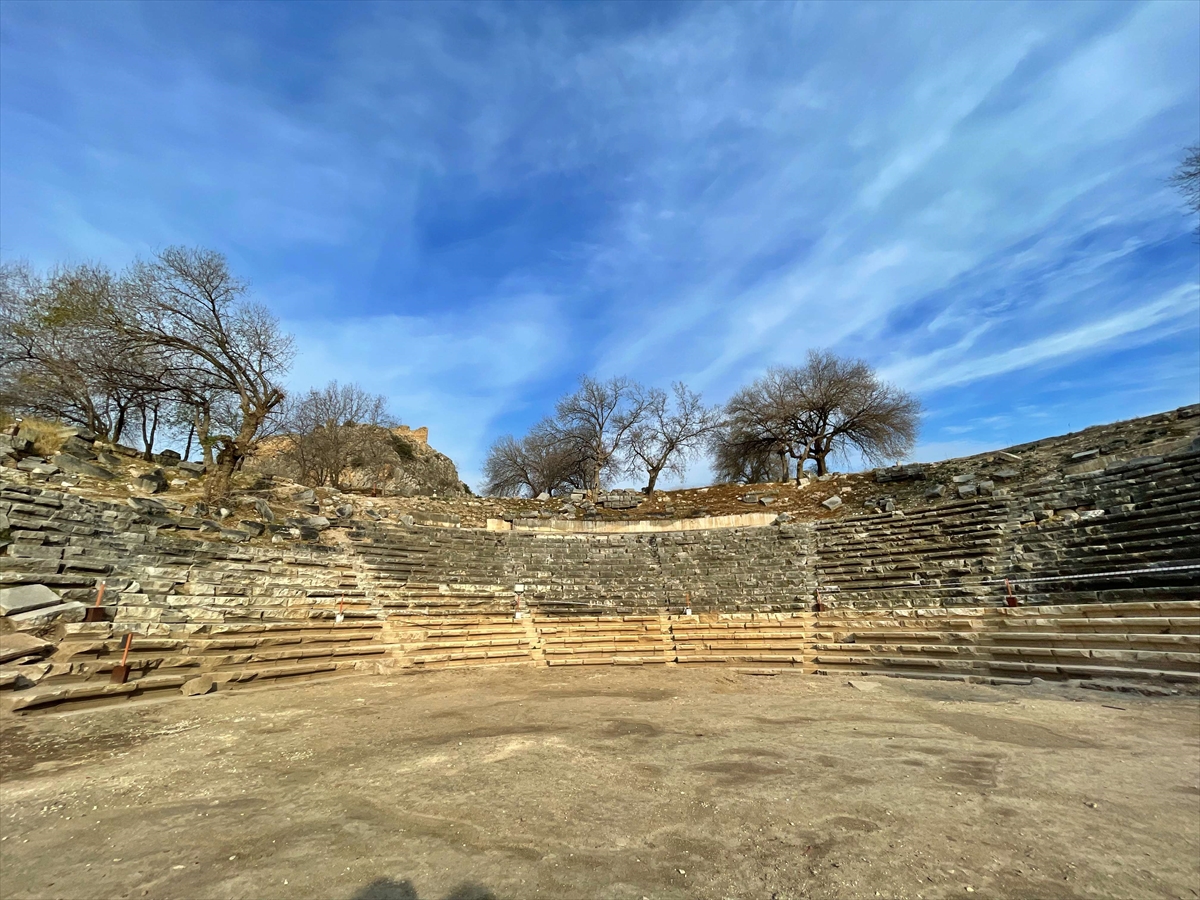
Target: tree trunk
203	423
653	472
149	427
187	451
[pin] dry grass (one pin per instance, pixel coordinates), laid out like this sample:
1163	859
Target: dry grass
48	437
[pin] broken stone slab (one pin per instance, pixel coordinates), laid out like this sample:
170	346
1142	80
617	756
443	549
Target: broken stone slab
254	529
965	478
986	487
344	511
766	501
19	645
146	505
543	497
78	447
1006	456
168	458
1087	466
263	508
308	495
191	468
1086	454
1005	474
72	611
151	482
77	466
967	490
37	466
21	599
832	503
194	687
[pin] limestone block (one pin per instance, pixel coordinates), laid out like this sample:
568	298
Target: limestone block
26	597
77	466
205	684
48	615
20	645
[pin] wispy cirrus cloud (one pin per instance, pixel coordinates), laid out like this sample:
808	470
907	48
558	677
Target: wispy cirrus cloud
466	206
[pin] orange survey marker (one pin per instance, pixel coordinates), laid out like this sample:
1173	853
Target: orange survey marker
96	612
341	613
120	674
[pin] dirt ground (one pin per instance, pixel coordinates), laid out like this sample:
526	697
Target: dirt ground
616	783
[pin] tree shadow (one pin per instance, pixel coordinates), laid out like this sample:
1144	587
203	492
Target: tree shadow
390	889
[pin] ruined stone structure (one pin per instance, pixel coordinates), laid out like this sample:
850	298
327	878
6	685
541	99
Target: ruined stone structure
1093	573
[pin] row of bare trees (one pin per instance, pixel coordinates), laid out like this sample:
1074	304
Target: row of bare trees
599	431
768	430
173	347
172	343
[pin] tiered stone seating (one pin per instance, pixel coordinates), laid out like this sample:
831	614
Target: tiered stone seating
754	640
1124	640
163	659
451	641
1158	640
605	640
1147	516
895	559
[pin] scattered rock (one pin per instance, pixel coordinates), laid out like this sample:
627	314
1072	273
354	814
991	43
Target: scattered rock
263	508
37	466
1086	454
967	490
308	495
154	482
832	503
191	468
965	478
986	487
194	687
146	505
936	491
169	458
543	497
766	501
345	511
1005	474
251	527
1006	456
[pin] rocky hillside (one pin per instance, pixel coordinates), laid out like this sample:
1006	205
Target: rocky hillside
388	463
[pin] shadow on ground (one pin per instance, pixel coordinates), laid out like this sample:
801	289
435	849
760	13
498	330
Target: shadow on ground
389	889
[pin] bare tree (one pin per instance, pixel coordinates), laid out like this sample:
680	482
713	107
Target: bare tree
1187	179
59	358
187	307
673	430
331	429
829	406
600	416
545	460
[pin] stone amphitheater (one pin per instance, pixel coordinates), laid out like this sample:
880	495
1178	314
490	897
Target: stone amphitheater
1074	566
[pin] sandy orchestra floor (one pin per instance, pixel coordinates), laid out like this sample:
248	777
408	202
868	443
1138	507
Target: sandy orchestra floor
619	783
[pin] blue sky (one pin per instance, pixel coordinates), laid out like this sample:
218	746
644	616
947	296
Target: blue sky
466	206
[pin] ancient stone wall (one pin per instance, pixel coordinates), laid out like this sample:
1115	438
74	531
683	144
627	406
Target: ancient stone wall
1103	562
